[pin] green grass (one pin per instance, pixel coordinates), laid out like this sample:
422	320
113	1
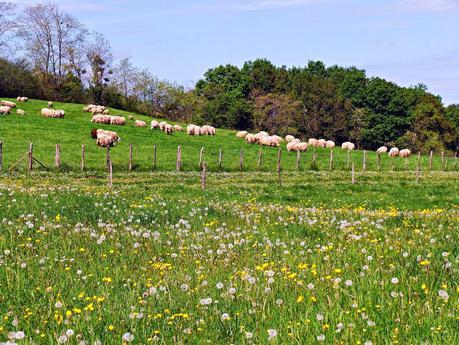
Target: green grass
77	255
71	132
313	257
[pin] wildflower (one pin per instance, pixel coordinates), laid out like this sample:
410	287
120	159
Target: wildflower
219	285
443	294
321	337
225	317
184	287
248	335
300	299
279	302
19	335
394	280
70	332
62	339
348	282
232	290
272	333
128	337
320	317
205	301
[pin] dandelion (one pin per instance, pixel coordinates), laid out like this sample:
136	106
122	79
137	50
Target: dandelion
394	280
62	339
184	287
70	332
443	294
128	337
348	282
319	317
321	337
232	290
219	285
272	333
368	342
19	335
225	317
205	301
248	335
279	301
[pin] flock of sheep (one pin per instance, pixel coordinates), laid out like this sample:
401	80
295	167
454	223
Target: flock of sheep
100	114
294	144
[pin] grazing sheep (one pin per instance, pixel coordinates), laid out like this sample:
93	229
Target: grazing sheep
394	152
289	138
51	113
130	117
382	149
405	153
190	129
168	129
162	124
303	147
106	112
197	130
105	138
139	123
178	128
321	143
94	109
207	130
330	144
313	142
348	146
8	104
20	112
117	120
50	104
154	124
292	146
22	99
261	134
251	139
278	138
4	110
241	134
266	141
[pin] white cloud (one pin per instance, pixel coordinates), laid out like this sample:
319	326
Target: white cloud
432	5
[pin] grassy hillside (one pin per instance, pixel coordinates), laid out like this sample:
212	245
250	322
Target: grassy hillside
71	132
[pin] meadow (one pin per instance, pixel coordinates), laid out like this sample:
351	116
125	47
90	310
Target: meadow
157	260
73	131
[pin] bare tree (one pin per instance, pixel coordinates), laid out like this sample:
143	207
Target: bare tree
51	37
99	57
7	25
124	76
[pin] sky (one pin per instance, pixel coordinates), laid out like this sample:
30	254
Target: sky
405	41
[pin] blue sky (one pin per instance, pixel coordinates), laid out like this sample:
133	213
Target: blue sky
406	41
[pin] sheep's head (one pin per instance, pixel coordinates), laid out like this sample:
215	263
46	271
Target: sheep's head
94	133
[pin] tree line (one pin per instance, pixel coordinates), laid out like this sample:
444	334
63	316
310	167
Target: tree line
58	58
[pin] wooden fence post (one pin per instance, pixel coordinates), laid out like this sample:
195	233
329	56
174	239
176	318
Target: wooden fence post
279	157
203	176
108	159
220	158
260	157
30	165
443	160
154	157
178	162
241	160
82	156
1	156
110	173
378	161
364	164
430	160
130	157
353	173
348	159
455	161
314	156
57	158
201	157
406	162
298	157
446	165
331	160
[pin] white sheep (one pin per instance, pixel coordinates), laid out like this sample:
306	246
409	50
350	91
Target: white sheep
321	143
8	104
178	128
313	142
251	139
20	112
139	123
347	145
4	110
190	129
382	149
289	138
394	152
241	134
50	104
330	144
405	153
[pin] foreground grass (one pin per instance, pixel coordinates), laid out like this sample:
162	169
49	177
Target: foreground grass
245	261
73	131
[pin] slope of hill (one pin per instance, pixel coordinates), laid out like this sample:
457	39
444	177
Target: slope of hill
74	130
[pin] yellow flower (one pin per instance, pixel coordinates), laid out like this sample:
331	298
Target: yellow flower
300	299
111	328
